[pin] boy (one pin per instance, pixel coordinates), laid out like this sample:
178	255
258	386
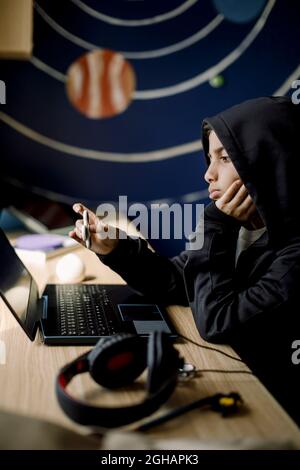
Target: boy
243	285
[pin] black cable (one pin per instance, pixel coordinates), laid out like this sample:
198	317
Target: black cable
226	371
214	401
173	414
211	348
204	401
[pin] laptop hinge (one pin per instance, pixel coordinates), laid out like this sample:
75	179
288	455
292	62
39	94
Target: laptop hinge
43	307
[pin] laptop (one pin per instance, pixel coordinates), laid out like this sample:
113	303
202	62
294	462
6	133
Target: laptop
75	314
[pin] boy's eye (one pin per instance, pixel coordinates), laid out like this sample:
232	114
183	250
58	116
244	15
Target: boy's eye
225	158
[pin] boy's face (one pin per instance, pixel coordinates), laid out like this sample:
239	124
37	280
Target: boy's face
221	173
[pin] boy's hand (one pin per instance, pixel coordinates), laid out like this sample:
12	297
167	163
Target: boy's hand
100	242
237	203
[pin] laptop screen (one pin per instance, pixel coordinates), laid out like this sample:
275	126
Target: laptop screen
17	287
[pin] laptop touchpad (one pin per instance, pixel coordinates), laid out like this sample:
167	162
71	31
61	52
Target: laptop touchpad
145	317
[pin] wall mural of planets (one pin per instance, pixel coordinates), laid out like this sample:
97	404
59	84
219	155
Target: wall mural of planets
100	84
64	132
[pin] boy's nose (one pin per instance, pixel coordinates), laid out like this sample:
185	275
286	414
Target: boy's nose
210	175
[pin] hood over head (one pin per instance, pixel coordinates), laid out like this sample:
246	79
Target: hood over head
262	138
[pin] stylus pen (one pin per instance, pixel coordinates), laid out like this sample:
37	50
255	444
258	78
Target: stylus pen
174	413
86	229
223	403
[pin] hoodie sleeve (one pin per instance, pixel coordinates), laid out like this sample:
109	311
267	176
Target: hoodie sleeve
148	272
219	308
169	280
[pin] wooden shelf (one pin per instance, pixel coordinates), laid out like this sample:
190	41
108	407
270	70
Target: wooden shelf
16	24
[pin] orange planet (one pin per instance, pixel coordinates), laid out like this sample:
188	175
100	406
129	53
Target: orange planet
100	84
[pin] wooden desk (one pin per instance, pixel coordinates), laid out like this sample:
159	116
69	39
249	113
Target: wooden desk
27	379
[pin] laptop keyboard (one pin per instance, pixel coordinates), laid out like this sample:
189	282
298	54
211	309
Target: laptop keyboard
85	310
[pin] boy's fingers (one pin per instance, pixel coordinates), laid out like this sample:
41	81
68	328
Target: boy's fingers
251	210
231	191
239	197
98	228
247	203
80	227
73	235
78	233
101	226
104	226
108	232
79	224
80	208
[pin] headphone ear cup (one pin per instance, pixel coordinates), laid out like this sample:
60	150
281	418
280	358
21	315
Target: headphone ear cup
163	362
118	360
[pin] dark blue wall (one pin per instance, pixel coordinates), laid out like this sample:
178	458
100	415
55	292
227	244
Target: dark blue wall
38	120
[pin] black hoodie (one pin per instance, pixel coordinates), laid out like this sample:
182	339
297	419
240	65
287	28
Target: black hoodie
252	305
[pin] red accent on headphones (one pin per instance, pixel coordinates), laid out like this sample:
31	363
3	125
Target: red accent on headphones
120	361
62	381
81	366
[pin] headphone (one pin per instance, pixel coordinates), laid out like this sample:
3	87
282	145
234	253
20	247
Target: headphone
116	362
